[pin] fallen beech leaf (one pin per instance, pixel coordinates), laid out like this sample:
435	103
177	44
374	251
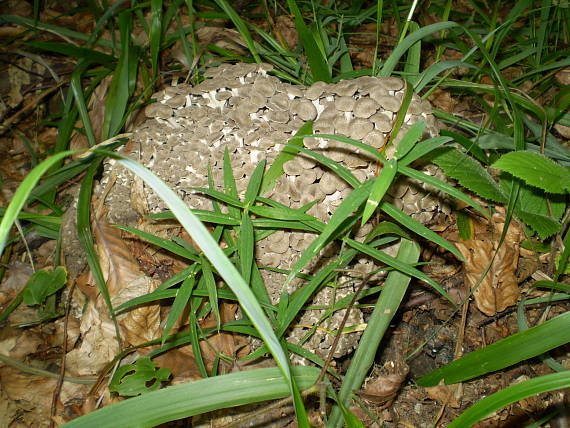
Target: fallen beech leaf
499	289
125	281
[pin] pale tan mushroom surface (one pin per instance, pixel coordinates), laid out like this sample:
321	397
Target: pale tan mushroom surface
252	114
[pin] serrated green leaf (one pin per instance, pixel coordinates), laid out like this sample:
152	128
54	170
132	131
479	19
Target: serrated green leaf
543	225
536	170
468	172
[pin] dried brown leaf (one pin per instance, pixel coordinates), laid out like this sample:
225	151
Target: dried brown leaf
285	28
499	289
125	281
445	394
385	387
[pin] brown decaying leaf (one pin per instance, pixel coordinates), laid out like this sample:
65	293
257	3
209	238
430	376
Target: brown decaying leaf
443	100
182	361
124	281
385	387
499	289
285	27
446	394
32	395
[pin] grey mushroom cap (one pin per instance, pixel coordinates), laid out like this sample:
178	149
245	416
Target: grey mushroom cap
305	109
177	101
359	128
345	88
375	139
381	122
389	103
292	167
264	87
158	110
365	107
345	104
391	83
315	90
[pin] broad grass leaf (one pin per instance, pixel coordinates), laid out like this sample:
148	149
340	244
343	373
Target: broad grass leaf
509	395
410	138
193	398
511	350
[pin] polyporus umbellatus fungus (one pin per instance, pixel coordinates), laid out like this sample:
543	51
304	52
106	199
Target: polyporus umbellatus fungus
252	114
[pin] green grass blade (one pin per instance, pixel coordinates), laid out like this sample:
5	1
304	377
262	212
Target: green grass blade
413	61
420	150
117	99
276	169
350	204
85	236
179	305
317	62
241	27
410	139
511	350
210	282
437	68
21	196
396	264
162	243
155	34
254	184
301	296
381	185
220	196
409	41
214	253
509	395
193	398
392	294
246	244
195	341
419	228
79	96
443	186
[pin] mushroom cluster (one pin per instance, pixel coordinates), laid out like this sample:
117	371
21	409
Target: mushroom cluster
243	109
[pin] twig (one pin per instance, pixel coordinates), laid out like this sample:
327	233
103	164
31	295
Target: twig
29	106
341	326
57	390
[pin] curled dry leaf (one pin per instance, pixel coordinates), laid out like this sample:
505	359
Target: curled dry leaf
499	289
385	387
